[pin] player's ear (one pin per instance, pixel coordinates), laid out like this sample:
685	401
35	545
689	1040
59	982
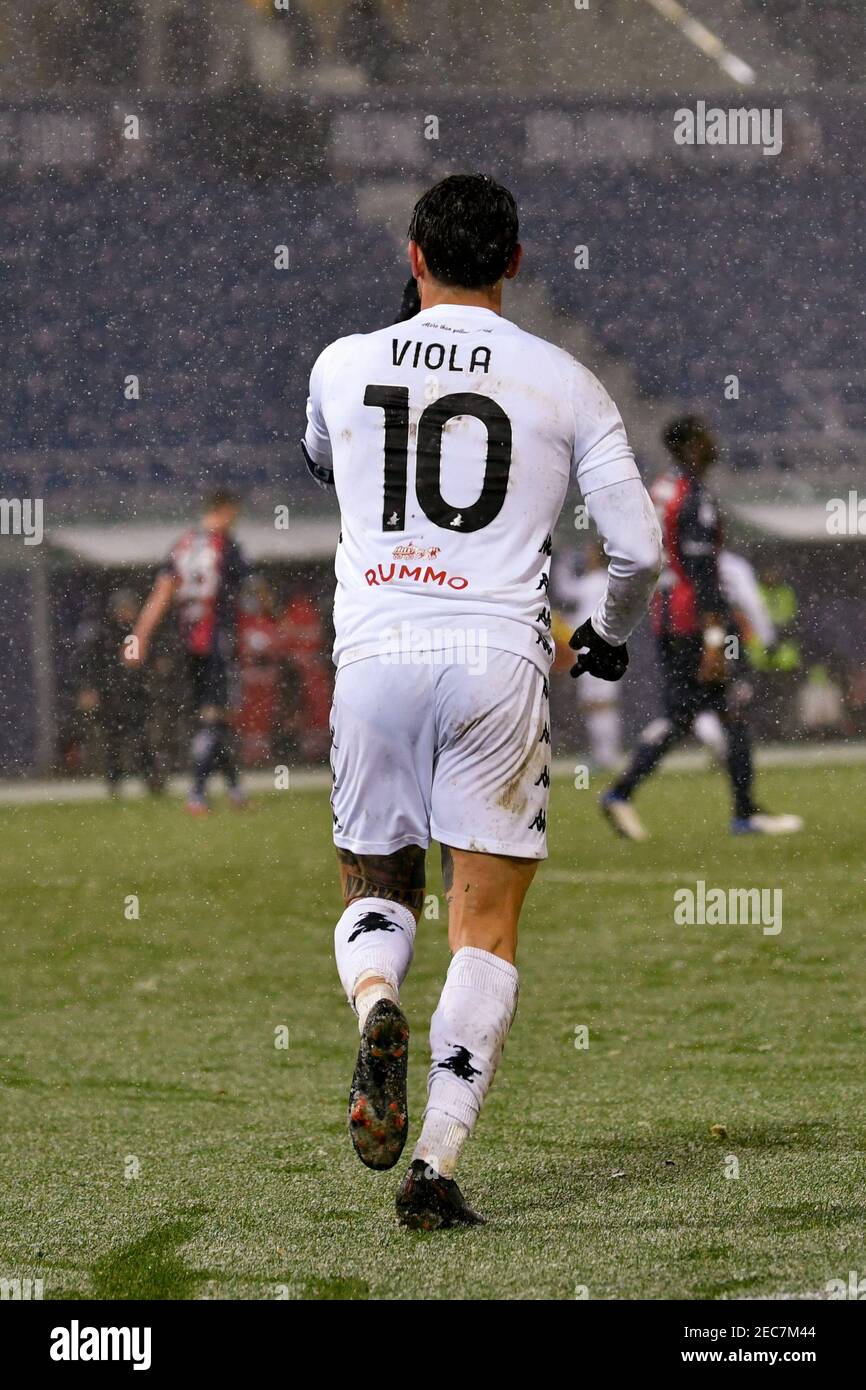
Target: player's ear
514	263
416	259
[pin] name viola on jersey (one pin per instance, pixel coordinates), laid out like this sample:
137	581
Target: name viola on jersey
419	574
434	355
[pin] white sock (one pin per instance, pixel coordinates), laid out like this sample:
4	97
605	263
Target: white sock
708	730
368	995
467	1035
374	937
602	726
440	1142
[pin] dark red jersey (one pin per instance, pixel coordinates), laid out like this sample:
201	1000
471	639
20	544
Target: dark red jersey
692	537
209	568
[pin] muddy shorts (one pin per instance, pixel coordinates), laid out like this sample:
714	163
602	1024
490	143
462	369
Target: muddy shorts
435	749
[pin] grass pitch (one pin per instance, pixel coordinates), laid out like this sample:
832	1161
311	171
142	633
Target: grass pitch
156	1143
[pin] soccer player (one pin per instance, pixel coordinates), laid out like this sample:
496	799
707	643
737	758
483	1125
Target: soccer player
740	587
598	699
692	620
450	439
118	697
203	576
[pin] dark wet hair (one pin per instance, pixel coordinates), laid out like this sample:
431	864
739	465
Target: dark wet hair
467	228
220	497
679	433
410	304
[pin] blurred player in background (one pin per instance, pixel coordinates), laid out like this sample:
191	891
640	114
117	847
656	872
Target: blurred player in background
203	578
692	621
448	500
116	695
598	700
742	592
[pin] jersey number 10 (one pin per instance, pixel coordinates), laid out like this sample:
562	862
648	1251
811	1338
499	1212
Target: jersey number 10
394	401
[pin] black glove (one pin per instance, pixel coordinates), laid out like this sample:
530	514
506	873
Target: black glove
601	659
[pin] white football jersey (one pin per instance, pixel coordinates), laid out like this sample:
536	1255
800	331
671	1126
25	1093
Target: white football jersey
452	438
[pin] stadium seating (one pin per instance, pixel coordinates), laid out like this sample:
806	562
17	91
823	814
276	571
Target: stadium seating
832	37
695	276
175	283
692	277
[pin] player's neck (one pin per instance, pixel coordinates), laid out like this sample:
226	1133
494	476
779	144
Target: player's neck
433	294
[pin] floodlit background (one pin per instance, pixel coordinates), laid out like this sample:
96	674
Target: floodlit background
194	199
197	197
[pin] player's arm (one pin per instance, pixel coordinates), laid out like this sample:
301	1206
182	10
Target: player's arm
743	593
157	605
623	514
316	443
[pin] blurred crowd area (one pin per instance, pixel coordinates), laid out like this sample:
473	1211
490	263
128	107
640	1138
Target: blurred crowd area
117	721
808	683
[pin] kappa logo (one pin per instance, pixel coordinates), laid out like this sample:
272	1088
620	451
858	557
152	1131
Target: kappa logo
374	921
460	1064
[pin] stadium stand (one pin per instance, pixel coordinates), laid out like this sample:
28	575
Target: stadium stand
175	284
694	276
832	41
691	277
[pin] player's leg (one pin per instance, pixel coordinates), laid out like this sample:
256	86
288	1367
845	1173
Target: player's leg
603	730
372	959
373	943
203	742
112	749
225	761
381	745
212	738
709	731
748	818
599	704
472	1021
489	811
679	660
205	751
725	702
219	681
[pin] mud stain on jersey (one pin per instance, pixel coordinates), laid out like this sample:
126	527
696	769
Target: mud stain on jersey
515	794
513	797
462	729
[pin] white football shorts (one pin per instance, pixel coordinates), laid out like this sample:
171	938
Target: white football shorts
439	750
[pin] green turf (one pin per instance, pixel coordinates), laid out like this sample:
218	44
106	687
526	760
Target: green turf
155	1039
